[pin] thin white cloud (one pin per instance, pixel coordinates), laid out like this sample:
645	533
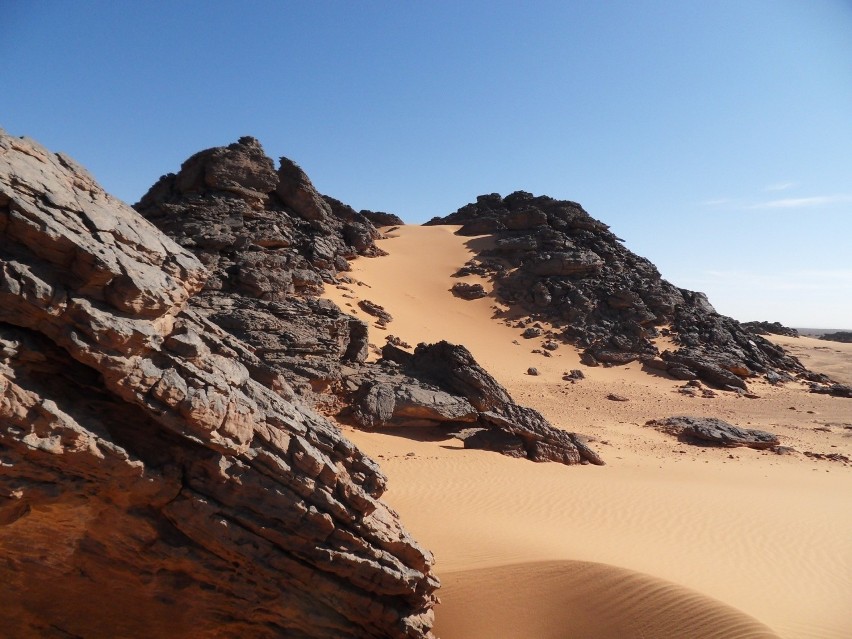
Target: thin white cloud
781	186
716	202
803	202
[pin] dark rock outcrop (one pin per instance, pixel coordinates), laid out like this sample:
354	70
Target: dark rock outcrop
380	218
556	262
270	245
319	350
770	328
468	291
158	477
838	336
707	430
837	390
441	384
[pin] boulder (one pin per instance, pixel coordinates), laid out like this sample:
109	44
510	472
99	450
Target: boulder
468	291
714	431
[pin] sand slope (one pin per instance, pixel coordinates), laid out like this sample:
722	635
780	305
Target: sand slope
667	540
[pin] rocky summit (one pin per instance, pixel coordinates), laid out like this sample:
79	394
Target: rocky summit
272	242
157	476
554	261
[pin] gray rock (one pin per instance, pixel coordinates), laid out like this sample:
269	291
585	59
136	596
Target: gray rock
714	431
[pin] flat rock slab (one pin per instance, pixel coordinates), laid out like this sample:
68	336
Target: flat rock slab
714	431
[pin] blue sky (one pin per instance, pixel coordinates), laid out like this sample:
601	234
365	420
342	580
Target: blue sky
714	137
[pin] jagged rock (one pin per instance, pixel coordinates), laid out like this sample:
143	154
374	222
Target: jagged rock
770	328
380	218
468	291
714	431
453	369
560	264
391	401
617	398
837	390
575	375
269	257
371	308
157	477
531	332
838	336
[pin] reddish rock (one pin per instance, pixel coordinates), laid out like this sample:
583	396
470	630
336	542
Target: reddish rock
157	478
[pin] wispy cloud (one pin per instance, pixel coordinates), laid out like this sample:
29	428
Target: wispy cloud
802	202
719	201
781	186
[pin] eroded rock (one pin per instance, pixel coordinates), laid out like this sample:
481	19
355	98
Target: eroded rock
156	476
709	430
553	260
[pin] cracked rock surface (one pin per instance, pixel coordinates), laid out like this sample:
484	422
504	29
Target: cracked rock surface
157	476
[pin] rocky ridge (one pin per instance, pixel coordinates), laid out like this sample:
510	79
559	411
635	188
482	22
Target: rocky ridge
249	230
557	263
157	475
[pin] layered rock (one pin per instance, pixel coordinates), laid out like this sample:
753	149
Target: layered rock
156	475
442	385
715	432
555	261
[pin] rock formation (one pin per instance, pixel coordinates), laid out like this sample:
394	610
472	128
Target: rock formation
838	336
158	476
442	385
317	348
710	431
770	328
556	262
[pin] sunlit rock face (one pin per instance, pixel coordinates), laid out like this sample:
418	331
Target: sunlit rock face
157	478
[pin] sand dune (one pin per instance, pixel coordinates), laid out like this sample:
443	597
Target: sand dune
556	600
667	540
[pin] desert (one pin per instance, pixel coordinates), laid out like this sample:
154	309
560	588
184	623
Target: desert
243	407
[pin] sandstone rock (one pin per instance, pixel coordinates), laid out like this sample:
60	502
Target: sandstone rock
714	431
157	477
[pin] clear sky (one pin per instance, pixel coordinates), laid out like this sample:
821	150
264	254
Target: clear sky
714	137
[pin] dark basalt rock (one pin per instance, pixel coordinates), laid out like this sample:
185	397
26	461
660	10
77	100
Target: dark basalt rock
556	262
714	431
838	336
270	242
770	328
468	291
837	390
371	308
380	218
